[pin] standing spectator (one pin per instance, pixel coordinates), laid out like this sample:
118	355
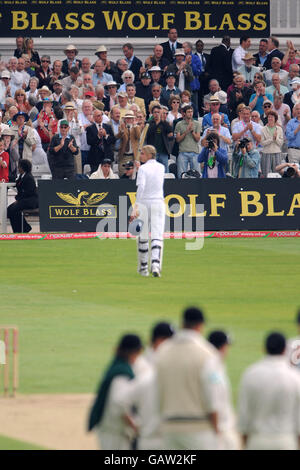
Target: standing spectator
262	54
160	136
258	98
245	128
239	111
182	71
130	134
133	99
213	87
248	70
156	92
187	134
57	91
62	150
86	119
181	407
8	136
143	88
101	138
269	401
240	94
276	68
71	79
214	104
115	122
76	129
71	52
220	67
169	89
174	104
283	112
194	61
158	58
289	57
24	135
44	123
107	411
245	161
255	117
217	128
205	60
21	75
123	103
170	46
228	437
271	141
185	97
213	157
32	53
21	100
240	52
56	73
26	197
134	64
99	76
44	72
109	66
273	51
4	162
20	47
293	97
4	87
2	126
293	136
111	88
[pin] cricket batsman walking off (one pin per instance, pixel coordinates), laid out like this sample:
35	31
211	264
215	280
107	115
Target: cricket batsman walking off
150	208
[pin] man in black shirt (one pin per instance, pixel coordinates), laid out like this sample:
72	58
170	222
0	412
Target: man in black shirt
160	136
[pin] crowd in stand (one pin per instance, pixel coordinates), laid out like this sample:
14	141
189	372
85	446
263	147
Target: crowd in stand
224	114
176	395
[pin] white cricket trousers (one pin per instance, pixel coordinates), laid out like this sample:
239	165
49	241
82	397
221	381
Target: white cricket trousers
152	213
272	442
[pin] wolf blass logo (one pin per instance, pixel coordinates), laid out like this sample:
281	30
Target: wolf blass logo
83	206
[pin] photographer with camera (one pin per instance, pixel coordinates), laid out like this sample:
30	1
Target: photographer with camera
247	128
223	132
214	158
245	160
288	170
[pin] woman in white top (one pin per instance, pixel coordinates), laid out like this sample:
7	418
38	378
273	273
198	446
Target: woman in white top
174	104
33	87
271	141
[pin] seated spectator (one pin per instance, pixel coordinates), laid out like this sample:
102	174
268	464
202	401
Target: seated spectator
87	83
32	54
141	119
3	127
102	100
109	66
33	88
169	89
72	79
86	66
185	97
293	136
248	70
127	79
215	108
104	171
112	101
57	91
247	128
19	78
276	88
26	198
4	163
133	99
258	77
158	59
273	51
28	69
121	67
8	118
160	136
71	52
101	139
156	90
174	105
223	132
130	134
157	75
276	68
56	74
245	160
293	73
289	57
4	87
288	170
267	107
130	172
62	150
271	141
258	98
44	72
43	93
134	64
187	134
293	97
213	158
240	94
99	76
21	100
74	90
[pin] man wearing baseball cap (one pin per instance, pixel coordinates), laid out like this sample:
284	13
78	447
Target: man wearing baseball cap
169	89
143	88
130	173
62	152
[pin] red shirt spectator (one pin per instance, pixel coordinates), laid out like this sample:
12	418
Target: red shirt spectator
4	164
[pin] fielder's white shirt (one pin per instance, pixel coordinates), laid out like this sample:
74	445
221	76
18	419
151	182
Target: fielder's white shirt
269	402
150	181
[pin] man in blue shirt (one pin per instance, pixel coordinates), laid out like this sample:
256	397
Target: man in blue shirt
215	104
257	99
99	76
293	136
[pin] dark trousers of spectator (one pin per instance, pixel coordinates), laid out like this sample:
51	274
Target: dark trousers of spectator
60	173
45	146
84	158
14	213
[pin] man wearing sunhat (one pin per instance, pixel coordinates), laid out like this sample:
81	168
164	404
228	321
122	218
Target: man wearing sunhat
182	71
248	69
123	103
130	136
157	75
24	135
71	52
111	88
62	152
214	104
110	67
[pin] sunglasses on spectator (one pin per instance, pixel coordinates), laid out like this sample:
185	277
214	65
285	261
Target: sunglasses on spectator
64	127
267	106
112	86
175	101
48	61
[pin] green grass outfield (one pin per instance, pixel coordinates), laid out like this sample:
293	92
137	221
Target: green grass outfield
73	299
12	444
